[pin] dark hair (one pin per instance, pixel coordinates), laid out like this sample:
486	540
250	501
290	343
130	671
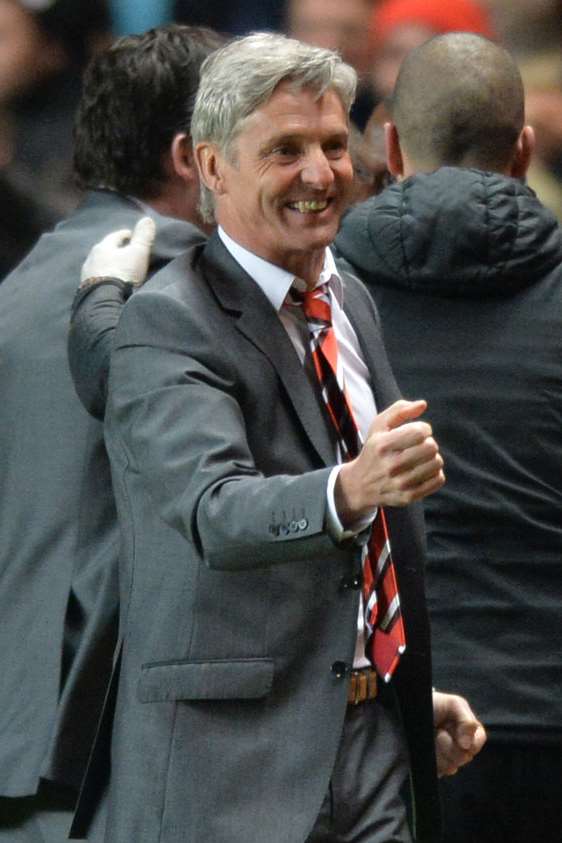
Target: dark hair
137	94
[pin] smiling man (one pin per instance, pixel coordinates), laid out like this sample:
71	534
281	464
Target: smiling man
282	191
276	666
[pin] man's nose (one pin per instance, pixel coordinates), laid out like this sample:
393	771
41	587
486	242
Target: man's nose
316	171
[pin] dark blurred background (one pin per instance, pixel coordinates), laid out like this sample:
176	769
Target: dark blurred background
45	44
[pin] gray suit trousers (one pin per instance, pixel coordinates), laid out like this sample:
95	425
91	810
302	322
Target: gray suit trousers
364	802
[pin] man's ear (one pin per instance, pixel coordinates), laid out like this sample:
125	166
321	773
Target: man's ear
524	149
182	158
394	159
210	165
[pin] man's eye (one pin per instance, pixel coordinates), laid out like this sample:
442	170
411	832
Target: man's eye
286	151
335	149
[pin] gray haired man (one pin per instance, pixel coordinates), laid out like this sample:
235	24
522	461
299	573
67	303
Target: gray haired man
248	710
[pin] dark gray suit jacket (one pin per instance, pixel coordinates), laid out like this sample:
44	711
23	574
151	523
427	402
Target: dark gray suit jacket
235	601
59	542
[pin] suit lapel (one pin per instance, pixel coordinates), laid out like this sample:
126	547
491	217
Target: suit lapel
255	317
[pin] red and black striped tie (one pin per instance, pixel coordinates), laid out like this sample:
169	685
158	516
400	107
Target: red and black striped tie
385	635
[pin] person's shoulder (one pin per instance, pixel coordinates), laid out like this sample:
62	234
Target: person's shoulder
357	298
178	276
357	239
110	210
53	264
101	208
173	236
171	304
351	277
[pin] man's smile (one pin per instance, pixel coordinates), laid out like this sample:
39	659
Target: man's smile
309	206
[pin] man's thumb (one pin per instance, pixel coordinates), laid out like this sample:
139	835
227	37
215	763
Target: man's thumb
398	413
144	232
465	733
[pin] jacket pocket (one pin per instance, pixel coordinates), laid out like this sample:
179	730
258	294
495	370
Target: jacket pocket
205	680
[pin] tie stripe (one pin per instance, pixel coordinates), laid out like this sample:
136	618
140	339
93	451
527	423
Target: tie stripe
386	639
337	406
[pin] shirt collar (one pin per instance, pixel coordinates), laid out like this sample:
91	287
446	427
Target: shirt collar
276	282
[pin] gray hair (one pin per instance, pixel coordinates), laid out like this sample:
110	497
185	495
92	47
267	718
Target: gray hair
240	77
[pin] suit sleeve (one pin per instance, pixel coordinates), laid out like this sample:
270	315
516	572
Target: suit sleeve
175	419
95	315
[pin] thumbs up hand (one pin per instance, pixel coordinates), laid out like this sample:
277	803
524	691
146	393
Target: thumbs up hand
398	464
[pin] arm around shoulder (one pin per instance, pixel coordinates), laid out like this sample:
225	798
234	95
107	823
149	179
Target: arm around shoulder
95	314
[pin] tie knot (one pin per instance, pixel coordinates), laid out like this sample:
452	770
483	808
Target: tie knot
315	304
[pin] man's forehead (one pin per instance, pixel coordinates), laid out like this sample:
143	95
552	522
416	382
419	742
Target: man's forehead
299	103
299	88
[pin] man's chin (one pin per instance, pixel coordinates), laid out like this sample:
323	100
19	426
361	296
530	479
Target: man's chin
318	226
320	238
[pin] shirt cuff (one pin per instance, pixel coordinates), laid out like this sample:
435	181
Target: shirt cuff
333	524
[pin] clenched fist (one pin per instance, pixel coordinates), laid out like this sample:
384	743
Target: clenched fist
399	463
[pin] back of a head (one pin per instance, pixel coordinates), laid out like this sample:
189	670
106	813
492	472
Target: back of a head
136	96
459	101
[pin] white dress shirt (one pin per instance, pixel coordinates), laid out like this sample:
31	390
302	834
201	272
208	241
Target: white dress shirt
276	282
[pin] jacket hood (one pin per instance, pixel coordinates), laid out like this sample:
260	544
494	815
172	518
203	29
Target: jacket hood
453	232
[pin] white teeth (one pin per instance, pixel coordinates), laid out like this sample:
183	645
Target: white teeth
310	206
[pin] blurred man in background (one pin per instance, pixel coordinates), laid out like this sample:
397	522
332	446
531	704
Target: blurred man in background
58	554
465	265
343	27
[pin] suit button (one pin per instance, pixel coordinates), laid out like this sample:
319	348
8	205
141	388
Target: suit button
339	669
353	582
345	584
303	523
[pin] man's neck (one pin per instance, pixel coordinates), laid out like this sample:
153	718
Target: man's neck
306	266
180	208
